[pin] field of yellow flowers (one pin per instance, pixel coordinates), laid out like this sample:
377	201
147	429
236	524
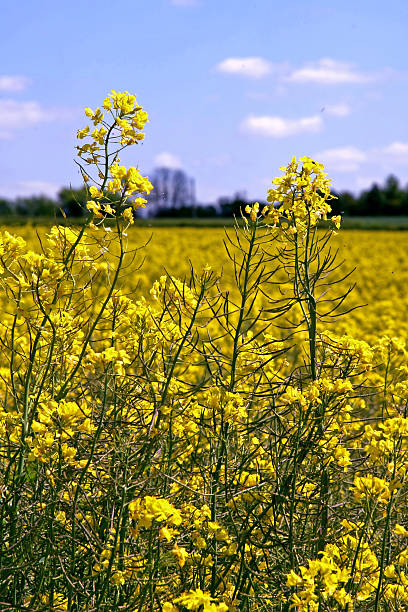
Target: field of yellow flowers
225	434
378	261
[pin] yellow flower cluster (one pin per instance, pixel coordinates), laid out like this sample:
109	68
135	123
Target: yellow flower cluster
129	116
150	509
198	600
302	193
301	197
121	123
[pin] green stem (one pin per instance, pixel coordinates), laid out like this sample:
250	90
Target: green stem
244	296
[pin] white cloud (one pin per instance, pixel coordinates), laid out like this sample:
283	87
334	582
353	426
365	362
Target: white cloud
29	188
13	83
337	110
350	158
327	72
252	67
167	160
342	159
398	151
15	115
279	127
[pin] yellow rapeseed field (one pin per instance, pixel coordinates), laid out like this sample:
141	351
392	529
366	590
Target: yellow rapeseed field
378	261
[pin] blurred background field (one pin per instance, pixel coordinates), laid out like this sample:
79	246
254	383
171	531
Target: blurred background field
361	223
380	259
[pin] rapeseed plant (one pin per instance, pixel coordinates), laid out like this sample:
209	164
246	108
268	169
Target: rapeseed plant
195	447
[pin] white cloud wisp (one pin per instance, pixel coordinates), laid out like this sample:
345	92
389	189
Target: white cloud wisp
251	67
13	83
327	71
280	127
167	160
342	159
16	115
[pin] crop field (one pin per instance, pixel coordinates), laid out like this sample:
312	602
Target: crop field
230	436
378	261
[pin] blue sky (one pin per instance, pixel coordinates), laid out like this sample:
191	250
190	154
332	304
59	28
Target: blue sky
233	88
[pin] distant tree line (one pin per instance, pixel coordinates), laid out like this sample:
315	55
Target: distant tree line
174	196
71	202
391	199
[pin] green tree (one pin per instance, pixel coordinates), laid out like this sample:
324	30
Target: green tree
5	208
73	201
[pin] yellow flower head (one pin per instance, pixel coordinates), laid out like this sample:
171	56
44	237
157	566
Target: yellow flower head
301	194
